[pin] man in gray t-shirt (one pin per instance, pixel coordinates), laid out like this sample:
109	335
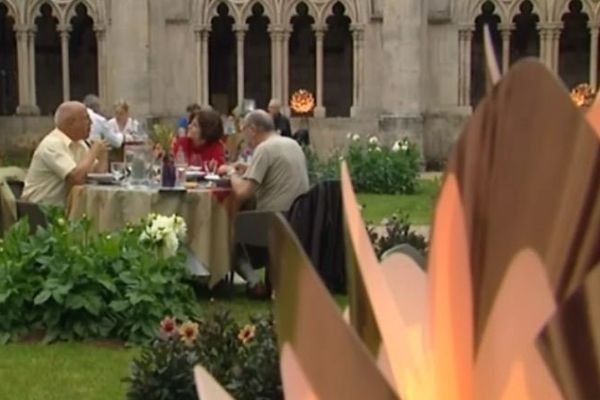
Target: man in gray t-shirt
277	174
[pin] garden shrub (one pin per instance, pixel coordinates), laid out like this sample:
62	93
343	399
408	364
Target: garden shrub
73	284
245	360
374	167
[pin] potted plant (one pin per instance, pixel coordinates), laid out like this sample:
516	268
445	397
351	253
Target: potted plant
162	137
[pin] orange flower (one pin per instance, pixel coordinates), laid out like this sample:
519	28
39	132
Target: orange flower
168	327
188	332
247	334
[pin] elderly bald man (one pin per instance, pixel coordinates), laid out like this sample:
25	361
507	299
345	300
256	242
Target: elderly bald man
276	176
63	159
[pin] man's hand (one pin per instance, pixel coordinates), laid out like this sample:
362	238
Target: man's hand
99	148
224	170
99	151
241	168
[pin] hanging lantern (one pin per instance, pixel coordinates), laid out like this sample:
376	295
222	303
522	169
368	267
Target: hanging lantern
583	95
302	101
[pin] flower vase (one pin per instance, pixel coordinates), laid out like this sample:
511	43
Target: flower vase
169	173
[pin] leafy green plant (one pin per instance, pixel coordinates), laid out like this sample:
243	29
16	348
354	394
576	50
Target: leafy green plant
244	359
374	168
73	284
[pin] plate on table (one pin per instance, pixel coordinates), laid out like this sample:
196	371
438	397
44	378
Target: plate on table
212	177
195	174
102	178
219	181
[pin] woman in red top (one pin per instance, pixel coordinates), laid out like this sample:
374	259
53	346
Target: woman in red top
202	145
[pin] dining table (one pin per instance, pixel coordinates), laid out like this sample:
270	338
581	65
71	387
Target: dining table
207	210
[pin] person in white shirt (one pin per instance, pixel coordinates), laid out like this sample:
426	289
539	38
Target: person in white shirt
100	128
123	125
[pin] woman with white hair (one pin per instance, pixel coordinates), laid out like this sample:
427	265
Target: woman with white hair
123	124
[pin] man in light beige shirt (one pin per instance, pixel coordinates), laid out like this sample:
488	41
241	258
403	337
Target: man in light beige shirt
63	159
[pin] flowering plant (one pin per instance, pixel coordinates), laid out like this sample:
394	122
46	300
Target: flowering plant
165	233
109	286
244	359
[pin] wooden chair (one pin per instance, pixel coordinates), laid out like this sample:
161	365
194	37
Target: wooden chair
34	214
16	186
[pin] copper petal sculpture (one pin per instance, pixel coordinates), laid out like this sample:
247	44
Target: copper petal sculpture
515	245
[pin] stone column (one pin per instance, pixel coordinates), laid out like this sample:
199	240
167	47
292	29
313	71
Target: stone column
465	38
130	54
276	33
285	67
320	36
205	71
358	34
543	45
64	45
594	31
556	32
31	76
505	31
201	35
240	34
199	64
102	64
22	34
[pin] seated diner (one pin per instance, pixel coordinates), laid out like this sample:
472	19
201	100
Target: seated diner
202	144
63	158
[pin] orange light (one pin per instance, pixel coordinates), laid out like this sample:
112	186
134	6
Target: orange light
583	95
302	101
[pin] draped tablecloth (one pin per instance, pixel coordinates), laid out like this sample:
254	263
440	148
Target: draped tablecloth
8	205
207	213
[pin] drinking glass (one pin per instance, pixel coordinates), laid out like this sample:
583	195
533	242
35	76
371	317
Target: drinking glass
117	169
156	173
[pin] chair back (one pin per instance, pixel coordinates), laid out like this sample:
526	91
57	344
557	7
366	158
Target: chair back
409	251
34	214
16	187
251	228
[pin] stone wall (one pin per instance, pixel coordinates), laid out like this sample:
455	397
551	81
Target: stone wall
19	135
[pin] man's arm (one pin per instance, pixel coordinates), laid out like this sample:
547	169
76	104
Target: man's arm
102	163
244	189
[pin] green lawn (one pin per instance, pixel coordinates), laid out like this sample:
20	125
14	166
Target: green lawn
76	371
418	206
62	372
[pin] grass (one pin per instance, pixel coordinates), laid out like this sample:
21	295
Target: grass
63	371
73	371
418	206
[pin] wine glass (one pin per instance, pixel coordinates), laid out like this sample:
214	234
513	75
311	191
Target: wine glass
117	169
211	167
